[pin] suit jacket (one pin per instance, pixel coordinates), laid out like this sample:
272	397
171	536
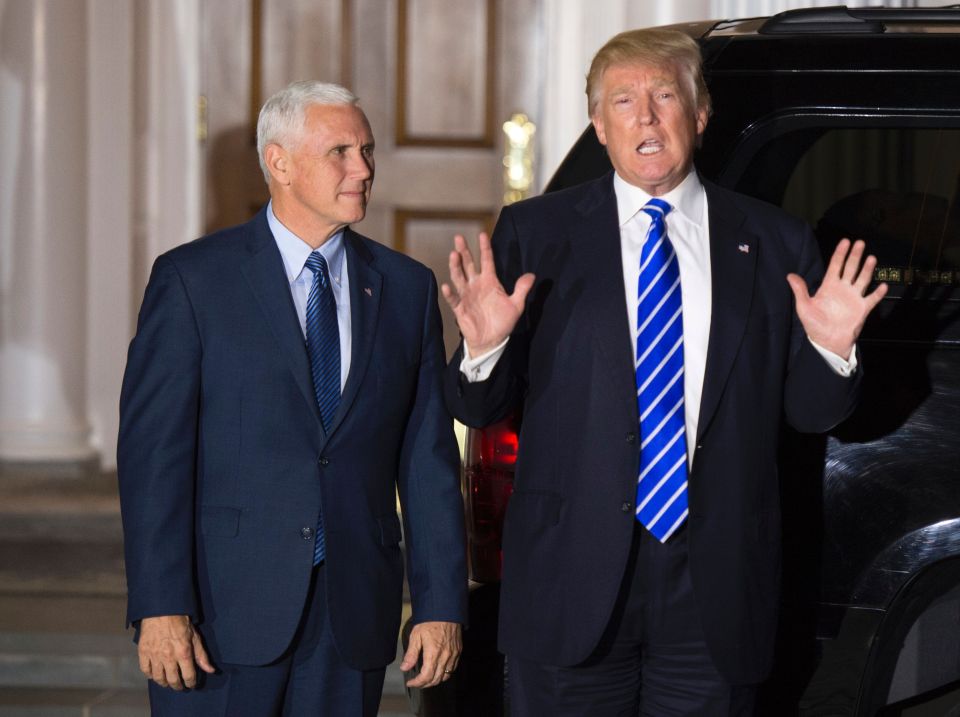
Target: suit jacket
569	367
224	464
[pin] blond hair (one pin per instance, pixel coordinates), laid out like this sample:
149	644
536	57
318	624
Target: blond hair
652	46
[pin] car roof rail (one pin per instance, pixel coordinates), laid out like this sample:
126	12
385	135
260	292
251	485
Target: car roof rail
841	19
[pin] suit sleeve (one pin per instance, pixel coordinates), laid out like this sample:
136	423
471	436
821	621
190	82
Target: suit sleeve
481	403
157	450
816	398
429	488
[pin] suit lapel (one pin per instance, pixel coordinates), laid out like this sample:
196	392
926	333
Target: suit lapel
267	278
595	249
366	285
733	262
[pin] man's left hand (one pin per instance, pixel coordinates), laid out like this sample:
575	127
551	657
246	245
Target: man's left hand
440	644
833	317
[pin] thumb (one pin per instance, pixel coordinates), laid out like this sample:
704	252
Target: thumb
412	653
799	287
200	654
521	289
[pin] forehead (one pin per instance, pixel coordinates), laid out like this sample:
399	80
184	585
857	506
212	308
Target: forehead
345	123
638	74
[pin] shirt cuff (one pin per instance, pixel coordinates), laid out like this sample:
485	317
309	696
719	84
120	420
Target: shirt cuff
838	364
479	368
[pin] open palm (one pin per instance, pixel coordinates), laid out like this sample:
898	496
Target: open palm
834	316
485	312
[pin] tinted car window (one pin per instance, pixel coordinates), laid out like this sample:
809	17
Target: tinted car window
895	187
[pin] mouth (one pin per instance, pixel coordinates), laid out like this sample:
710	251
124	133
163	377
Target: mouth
650	146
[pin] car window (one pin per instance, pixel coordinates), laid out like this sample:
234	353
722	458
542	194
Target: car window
896	188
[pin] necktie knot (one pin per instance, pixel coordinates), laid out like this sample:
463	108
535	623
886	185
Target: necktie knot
318	265
657	210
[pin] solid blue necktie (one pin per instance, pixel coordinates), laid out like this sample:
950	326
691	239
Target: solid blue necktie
662	481
323	348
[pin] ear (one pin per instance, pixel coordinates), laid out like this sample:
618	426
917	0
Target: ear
598	126
278	163
702	117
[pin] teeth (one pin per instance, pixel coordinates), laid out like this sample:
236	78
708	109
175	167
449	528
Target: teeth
652	148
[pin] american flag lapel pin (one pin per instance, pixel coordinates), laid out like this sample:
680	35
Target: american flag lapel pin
368	291
745	248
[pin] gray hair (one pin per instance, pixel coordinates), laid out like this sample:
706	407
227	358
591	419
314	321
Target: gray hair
282	116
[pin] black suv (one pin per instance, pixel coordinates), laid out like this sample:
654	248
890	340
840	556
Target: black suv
849	118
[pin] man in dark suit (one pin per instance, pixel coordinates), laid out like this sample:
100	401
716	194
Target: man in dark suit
283	386
658	330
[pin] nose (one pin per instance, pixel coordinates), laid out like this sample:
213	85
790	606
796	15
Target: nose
646	112
361	165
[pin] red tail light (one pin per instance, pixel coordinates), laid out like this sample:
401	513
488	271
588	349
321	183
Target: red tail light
488	465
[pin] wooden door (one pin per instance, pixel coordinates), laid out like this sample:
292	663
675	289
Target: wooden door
437	79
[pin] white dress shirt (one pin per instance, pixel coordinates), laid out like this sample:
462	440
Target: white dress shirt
689	231
295	252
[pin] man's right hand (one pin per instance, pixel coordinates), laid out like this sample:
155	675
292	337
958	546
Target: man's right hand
485	313
170	649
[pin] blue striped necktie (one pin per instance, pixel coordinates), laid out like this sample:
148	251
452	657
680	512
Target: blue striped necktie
323	348
662	481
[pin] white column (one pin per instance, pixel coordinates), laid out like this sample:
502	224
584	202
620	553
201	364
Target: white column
111	299
43	224
169	174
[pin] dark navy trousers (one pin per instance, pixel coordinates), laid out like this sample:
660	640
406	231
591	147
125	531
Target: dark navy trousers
652	660
309	680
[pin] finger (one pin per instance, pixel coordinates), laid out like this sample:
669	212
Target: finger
455	266
876	296
157	673
410	656
469	269
171	672
188	673
450	296
851	266
420	681
430	673
486	254
835	268
144	664
866	273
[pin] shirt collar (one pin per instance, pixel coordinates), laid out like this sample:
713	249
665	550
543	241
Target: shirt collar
295	251
688	199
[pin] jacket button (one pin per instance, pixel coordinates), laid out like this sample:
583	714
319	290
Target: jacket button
631	437
323	461
306	533
626	507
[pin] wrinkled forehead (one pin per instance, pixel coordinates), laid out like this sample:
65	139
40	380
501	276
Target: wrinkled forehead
337	120
631	74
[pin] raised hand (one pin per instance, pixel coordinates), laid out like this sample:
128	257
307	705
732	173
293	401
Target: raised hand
485	313
833	317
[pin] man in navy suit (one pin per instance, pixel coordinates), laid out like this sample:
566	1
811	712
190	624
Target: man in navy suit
283	386
659	329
